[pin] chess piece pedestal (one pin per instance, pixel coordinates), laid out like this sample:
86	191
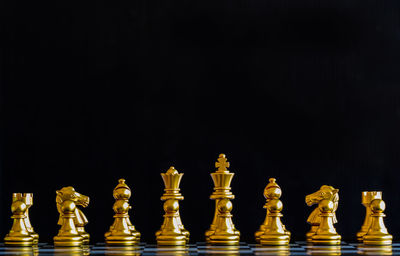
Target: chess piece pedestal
326	232
377	233
68	236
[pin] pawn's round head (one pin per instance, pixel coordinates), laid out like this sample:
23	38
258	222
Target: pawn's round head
68	206
275	205
121	206
326	206
272	190
377	205
18	207
225	206
171	205
122	191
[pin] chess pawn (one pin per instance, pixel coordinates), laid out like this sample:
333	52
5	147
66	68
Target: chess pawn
326	232
274	232
171	233
28	198
366	198
68	235
377	233
225	232
122	232
18	235
271	191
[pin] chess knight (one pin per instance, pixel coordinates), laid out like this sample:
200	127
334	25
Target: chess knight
222	230
323	217
21	233
72	220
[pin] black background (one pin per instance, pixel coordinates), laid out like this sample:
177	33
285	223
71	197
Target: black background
306	91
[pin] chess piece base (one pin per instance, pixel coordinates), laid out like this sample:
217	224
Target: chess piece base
274	239
326	239
68	241
18	241
171	240
378	240
223	240
122	240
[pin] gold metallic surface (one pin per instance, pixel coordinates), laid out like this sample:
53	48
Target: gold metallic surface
271	250
123	250
172	231
366	198
72	220
274	231
324	193
222	230
324	250
122	232
377	233
21	233
374	250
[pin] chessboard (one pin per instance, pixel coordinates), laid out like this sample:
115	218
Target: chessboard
244	249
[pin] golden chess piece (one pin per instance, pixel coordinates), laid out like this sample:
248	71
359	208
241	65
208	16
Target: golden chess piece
366	198
67	198
326	232
222	230
19	234
122	232
172	231
275	232
68	235
377	233
325	192
28	197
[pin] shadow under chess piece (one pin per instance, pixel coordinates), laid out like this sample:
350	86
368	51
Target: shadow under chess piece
79	219
68	236
122	232
172	231
366	198
377	233
18	235
324	193
326	232
222	191
274	232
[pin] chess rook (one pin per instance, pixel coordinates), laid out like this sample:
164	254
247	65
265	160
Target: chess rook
222	230
122	232
71	234
274	232
366	198
21	234
172	231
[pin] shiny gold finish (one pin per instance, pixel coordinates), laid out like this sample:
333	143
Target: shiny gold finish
326	232
21	233
274	231
22	251
330	250
374	250
122	232
366	198
325	193
377	233
72	219
172	231
282	250
222	230
123	250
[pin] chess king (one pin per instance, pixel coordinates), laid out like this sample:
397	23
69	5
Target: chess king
222	231
323	217
21	233
172	231
72	220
